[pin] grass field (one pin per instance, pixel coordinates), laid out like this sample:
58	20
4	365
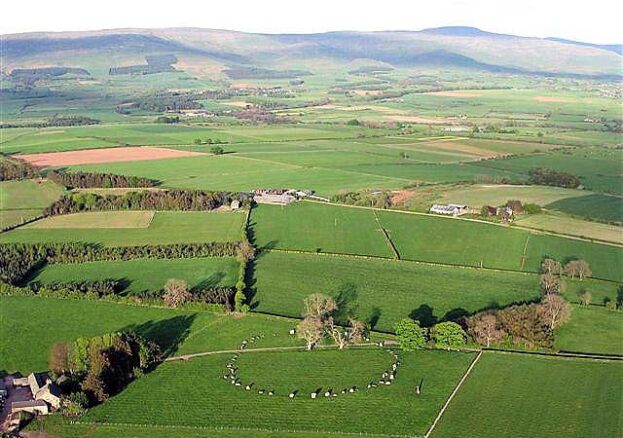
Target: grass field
492	194
165	227
317	227
196	395
574	227
25	199
601	207
383	291
329	228
43	321
98	219
593	329
536	396
147	275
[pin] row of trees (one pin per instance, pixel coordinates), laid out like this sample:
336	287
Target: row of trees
186	200
11	169
365	199
74	180
444	335
319	321
18	259
103	365
551	177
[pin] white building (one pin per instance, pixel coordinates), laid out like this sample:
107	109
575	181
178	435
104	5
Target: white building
449	209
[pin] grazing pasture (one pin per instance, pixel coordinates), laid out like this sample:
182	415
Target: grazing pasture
317	227
593	329
166	227
596	206
197	395
520	395
146	276
383	291
176	331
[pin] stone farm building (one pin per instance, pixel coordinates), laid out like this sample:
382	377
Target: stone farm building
449	209
45	394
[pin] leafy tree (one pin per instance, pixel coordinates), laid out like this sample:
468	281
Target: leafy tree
74	404
176	293
526	325
197	141
447	335
217	150
353	122
410	335
485	328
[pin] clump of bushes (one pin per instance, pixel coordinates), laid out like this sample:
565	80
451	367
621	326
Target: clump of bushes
11	169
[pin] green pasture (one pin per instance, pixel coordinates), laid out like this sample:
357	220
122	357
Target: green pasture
596	206
195	393
317	227
166	227
147	275
593	329
383	291
520	395
44	321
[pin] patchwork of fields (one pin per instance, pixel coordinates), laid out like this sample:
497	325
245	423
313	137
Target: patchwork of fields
427	238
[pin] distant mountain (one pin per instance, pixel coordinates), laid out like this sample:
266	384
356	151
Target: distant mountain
454	46
616	48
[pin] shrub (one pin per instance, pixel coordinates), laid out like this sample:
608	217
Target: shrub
447	335
411	336
176	293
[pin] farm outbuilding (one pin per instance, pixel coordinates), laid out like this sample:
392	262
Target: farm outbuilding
449	209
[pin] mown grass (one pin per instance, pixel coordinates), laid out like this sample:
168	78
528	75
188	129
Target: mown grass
193	393
166	227
25	199
147	275
593	329
516	395
40	322
575	227
383	291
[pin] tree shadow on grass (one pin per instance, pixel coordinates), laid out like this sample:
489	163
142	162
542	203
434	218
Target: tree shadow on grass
167	333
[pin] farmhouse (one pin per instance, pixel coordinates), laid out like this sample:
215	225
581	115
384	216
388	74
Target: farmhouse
42	389
449	210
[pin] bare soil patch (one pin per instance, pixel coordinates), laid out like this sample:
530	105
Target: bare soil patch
553	99
105	155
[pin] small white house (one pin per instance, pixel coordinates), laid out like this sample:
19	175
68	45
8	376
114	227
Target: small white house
449	209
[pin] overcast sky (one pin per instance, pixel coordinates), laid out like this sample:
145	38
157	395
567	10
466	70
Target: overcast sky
597	21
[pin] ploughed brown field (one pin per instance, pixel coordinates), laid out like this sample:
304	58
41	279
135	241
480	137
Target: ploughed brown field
107	155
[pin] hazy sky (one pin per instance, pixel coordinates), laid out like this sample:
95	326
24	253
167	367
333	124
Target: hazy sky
597	21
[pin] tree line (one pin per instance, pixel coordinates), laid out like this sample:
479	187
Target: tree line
551	177
11	169
17	260
80	180
186	200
